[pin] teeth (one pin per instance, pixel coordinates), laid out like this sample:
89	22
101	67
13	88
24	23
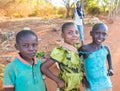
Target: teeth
99	40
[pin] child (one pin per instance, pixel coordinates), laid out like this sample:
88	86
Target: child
68	59
78	15
23	74
94	57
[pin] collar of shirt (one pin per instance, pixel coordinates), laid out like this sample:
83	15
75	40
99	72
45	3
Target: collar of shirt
69	47
24	61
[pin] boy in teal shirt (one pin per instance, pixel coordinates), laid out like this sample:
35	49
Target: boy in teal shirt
24	74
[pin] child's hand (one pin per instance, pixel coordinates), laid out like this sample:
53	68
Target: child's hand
85	82
110	72
61	84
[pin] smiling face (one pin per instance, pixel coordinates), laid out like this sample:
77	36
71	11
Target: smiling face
27	46
70	34
99	33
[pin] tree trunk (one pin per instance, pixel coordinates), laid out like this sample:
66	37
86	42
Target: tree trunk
67	12
111	8
117	8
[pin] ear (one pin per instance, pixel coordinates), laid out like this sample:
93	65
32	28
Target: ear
16	46
91	33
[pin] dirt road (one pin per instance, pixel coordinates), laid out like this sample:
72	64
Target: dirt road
48	36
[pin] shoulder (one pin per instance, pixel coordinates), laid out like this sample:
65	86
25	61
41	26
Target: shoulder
39	62
107	48
58	53
83	48
57	50
10	69
12	64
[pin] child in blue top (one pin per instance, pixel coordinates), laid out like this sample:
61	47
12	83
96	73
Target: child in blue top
94	58
66	55
23	73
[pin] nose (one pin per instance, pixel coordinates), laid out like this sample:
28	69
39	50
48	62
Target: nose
31	48
75	35
101	35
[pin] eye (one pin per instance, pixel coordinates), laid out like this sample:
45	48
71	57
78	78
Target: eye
77	32
70	32
104	34
34	45
97	33
25	45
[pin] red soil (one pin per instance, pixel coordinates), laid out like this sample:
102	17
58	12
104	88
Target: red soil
44	30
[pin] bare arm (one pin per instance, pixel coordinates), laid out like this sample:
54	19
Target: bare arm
109	59
84	80
45	69
8	89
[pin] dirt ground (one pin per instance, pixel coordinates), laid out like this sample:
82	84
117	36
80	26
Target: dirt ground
48	32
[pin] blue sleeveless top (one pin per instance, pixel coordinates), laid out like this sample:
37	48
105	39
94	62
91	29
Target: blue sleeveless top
96	71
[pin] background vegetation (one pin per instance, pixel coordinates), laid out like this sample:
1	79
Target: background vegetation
45	9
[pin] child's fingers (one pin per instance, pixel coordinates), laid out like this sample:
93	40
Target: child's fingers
110	72
61	84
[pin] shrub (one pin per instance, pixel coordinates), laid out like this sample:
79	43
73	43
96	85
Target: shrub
17	15
40	54
94	10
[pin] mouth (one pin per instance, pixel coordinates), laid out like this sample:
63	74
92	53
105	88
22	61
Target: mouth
75	39
99	40
32	54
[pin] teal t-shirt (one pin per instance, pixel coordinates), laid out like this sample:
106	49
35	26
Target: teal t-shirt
24	77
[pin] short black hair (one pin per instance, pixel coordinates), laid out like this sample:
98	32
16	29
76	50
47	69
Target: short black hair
23	33
65	25
98	26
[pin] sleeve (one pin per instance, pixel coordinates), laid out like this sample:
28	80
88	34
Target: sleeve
39	61
9	76
58	54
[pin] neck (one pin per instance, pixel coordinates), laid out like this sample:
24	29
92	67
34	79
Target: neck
30	61
95	46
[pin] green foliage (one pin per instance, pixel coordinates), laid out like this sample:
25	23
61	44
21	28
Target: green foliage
45	9
40	54
17	15
61	12
94	10
95	7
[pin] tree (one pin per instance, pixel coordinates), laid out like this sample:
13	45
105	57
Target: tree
117	7
114	8
105	4
68	4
